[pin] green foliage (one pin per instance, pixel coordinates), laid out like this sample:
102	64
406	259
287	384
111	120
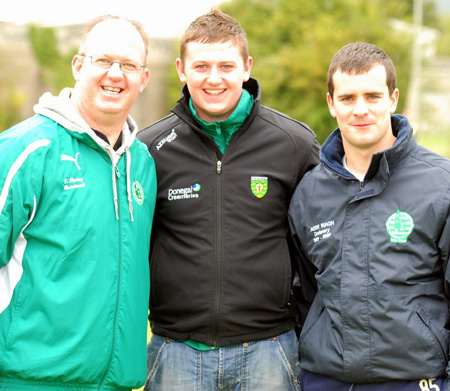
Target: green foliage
11	100
10	104
55	67
292	43
444	43
173	81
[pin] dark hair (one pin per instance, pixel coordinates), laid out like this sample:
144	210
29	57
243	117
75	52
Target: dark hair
103	18
361	57
215	26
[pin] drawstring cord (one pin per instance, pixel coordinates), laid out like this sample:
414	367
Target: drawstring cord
130	204
116	206
128	174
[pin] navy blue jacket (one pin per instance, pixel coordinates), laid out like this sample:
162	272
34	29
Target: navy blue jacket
380	250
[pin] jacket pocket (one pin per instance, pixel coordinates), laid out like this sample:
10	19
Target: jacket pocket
313	317
16	317
439	335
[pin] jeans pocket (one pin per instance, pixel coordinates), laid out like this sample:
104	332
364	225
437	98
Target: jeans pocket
288	348
155	351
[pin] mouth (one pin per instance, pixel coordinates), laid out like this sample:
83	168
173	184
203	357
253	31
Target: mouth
112	90
214	92
361	125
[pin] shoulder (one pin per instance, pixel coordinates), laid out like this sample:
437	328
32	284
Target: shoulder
286	124
27	136
431	160
153	132
316	177
141	151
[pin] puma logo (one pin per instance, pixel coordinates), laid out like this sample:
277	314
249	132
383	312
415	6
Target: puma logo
71	159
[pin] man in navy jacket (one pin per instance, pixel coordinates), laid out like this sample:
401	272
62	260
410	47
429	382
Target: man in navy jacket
373	221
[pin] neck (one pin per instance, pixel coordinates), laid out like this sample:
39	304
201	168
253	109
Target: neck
359	158
110	124
358	162
112	132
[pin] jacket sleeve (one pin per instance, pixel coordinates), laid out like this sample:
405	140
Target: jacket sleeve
304	286
444	248
312	158
18	191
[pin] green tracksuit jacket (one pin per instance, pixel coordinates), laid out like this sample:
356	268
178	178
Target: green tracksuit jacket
75	221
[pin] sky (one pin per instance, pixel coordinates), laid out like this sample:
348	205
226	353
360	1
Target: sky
161	18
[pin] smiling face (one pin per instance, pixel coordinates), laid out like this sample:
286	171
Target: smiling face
214	74
362	106
104	96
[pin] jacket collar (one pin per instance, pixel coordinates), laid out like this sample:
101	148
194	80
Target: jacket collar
182	110
61	110
332	151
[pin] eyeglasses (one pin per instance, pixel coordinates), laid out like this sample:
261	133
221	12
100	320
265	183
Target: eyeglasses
106	63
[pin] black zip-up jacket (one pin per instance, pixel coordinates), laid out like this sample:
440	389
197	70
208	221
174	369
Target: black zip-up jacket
221	271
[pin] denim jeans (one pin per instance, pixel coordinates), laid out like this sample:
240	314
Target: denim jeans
267	365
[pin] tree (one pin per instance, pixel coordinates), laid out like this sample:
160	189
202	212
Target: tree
444	43
10	99
292	43
56	71
10	103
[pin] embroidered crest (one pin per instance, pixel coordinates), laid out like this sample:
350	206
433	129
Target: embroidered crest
399	226
259	185
138	192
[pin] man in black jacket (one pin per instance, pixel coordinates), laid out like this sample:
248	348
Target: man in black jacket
221	307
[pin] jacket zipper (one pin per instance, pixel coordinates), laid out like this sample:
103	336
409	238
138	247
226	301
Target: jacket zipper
217	276
119	262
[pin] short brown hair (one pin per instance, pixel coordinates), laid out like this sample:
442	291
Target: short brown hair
360	57
215	26
103	18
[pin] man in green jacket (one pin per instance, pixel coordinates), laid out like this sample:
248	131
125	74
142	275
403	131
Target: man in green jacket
77	192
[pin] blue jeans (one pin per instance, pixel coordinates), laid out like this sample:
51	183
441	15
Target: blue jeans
267	365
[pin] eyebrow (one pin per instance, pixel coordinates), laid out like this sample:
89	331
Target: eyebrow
368	93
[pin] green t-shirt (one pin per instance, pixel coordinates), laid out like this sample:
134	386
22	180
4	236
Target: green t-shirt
221	132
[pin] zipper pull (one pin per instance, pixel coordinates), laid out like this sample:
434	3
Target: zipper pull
219	166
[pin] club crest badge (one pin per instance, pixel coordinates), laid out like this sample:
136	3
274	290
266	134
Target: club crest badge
259	185
138	192
399	226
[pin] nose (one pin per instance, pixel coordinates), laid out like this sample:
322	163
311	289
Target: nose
214	76
115	71
360	107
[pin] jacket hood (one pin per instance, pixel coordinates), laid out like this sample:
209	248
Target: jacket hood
61	110
182	109
332	151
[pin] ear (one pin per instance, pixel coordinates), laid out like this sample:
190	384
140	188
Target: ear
394	100
180	70
247	68
331	105
77	64
144	79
